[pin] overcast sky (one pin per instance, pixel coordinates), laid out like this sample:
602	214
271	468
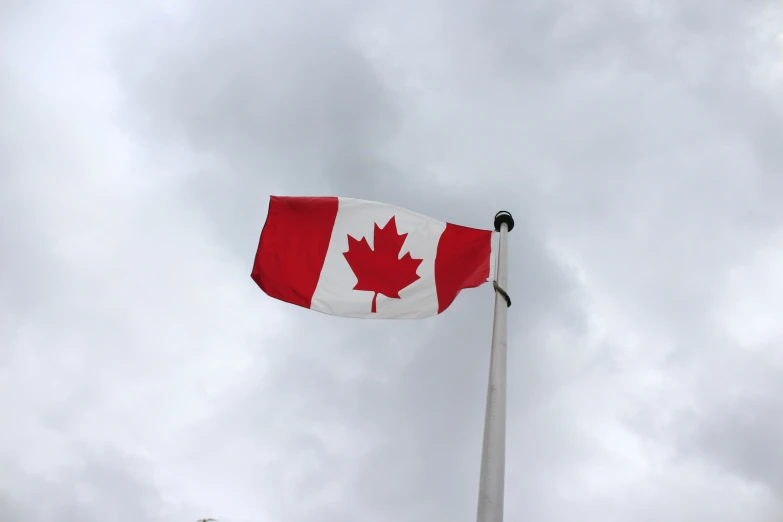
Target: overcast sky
638	143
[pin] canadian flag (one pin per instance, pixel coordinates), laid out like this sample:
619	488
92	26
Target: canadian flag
355	258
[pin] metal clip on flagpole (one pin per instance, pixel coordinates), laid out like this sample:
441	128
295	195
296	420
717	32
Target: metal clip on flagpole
493	452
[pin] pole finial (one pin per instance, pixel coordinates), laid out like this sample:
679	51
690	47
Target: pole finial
504	217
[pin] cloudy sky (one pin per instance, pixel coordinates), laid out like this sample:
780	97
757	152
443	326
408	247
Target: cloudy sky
638	143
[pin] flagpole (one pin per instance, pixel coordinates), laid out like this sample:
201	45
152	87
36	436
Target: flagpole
493	451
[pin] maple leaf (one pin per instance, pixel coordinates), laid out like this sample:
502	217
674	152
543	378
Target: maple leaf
382	270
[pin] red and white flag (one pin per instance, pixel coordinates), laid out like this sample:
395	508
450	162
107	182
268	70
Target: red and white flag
355	258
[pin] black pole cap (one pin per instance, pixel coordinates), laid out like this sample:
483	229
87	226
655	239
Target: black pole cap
504	217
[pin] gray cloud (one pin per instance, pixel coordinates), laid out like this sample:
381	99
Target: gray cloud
103	487
633	143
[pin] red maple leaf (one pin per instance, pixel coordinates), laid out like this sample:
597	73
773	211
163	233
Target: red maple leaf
382	270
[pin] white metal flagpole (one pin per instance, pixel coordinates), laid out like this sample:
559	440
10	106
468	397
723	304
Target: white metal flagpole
493	451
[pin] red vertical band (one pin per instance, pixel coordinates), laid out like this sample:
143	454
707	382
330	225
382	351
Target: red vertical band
462	261
293	245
